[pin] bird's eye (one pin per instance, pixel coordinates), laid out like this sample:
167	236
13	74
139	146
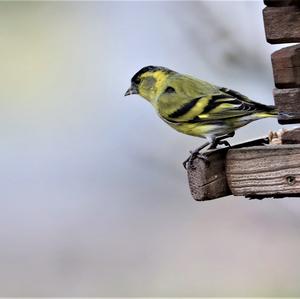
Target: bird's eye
170	89
137	81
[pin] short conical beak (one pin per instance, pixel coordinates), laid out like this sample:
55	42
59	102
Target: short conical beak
131	90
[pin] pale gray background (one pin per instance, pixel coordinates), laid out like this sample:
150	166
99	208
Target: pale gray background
94	199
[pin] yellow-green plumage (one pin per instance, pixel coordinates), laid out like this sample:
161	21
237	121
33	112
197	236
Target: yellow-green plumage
195	107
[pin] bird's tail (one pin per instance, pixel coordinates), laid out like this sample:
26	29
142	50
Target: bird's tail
266	111
272	111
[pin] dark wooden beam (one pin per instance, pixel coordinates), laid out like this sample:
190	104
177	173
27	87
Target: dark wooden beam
282	24
281	2
291	136
286	67
288	103
264	171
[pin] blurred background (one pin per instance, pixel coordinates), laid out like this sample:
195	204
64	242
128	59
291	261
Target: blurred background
94	198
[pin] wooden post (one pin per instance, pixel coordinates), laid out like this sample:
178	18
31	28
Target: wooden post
282	24
286	70
288	101
286	67
281	2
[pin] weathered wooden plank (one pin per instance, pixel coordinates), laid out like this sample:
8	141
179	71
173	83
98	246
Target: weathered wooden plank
282	24
207	180
291	136
264	171
288	101
281	2
286	67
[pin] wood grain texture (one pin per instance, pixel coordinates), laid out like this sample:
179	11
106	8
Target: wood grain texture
281	2
264	171
207	180
286	67
288	100
291	136
282	24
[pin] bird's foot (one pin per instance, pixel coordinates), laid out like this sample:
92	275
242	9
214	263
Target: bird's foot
190	160
193	155
220	141
211	145
224	142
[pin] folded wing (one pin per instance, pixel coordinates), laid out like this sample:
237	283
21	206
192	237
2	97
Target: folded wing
221	105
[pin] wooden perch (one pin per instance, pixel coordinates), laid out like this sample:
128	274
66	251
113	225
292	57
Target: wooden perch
286	67
288	100
207	180
249	170
282	24
264	171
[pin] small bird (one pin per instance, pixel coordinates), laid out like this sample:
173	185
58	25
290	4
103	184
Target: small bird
196	107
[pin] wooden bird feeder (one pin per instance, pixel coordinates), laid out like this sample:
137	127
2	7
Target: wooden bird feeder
257	169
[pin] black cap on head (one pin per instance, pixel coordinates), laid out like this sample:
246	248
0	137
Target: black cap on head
150	68
136	79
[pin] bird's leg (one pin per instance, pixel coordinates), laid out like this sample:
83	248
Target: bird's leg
195	154
225	142
220	140
213	142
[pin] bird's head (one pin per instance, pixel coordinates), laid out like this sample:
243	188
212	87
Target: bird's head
149	82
